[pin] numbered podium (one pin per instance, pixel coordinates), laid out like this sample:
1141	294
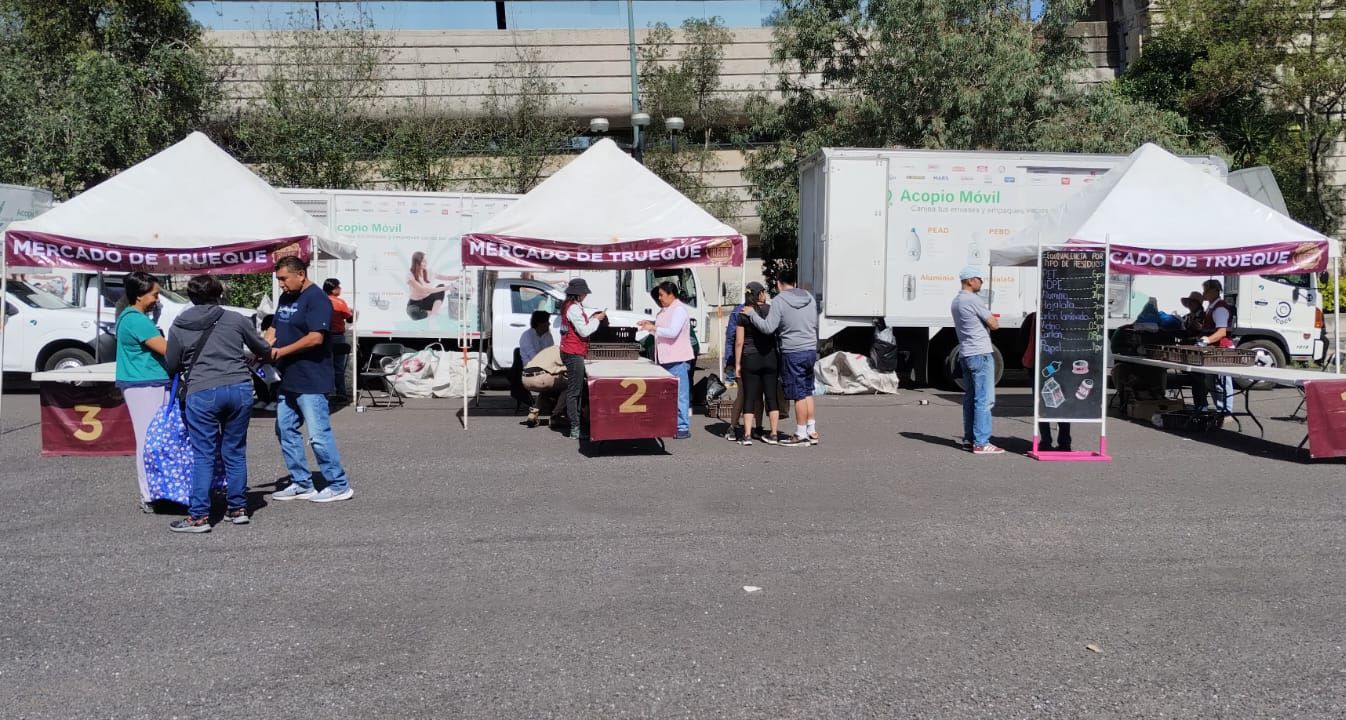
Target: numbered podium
631	400
83	412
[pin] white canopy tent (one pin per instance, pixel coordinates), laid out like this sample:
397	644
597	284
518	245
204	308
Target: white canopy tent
1158	204
191	208
602	198
603	210
193	198
1158	214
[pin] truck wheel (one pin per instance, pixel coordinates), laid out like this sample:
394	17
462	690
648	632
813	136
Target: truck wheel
953	376
1269	355
68	358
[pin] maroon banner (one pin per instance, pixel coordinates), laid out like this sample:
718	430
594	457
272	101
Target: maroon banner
652	253
85	420
633	408
1326	401
1274	259
34	249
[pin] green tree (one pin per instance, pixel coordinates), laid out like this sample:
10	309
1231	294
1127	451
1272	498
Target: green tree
522	128
314	124
91	87
955	74
687	85
1265	76
426	148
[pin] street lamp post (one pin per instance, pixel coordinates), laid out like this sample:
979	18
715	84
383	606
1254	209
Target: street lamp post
675	126
638	122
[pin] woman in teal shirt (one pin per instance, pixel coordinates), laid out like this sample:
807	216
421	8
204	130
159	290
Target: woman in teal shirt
140	365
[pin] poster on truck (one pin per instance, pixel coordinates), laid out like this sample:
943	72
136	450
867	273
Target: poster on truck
946	211
411	280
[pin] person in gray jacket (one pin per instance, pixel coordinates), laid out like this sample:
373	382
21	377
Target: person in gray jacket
794	317
206	345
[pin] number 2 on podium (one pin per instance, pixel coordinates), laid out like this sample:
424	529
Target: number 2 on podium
633	404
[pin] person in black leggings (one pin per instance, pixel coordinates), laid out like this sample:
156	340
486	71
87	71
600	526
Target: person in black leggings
756	363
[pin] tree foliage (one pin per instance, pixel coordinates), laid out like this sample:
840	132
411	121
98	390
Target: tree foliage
684	80
314	122
522	127
952	74
90	87
1268	78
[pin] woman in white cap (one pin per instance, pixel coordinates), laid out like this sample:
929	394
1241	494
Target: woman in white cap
577	324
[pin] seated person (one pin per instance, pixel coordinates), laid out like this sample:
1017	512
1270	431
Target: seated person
534	339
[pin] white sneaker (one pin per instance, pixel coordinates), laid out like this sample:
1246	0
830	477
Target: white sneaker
329	495
294	492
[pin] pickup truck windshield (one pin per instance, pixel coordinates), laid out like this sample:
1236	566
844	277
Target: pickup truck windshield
32	297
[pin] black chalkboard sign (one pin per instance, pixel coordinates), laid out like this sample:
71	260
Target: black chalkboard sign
1072	312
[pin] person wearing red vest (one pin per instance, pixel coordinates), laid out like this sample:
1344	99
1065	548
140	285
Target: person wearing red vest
1215	331
672	330
577	324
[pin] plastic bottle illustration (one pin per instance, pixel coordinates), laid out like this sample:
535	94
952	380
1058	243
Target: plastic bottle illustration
974	251
914	246
1051	369
909	287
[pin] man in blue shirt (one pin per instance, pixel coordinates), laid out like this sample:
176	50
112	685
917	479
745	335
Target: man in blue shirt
973	323
303	353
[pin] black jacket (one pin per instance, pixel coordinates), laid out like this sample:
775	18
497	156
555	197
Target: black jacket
221	360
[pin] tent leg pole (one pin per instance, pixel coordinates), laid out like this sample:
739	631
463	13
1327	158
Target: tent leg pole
1336	316
354	359
4	293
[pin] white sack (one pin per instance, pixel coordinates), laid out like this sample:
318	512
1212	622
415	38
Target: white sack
849	374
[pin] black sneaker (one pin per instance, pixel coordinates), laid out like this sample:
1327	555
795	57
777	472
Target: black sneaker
794	441
190	525
771	438
238	517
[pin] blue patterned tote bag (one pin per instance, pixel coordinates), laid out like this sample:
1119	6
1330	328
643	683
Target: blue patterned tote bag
168	454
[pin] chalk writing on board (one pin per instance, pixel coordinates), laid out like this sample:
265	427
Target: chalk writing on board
1071	311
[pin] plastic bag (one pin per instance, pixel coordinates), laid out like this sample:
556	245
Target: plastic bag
883	353
715	388
168	454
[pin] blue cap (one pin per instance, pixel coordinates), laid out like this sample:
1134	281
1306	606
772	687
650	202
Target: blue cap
969	272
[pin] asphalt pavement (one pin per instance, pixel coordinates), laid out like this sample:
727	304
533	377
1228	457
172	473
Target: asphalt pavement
497	572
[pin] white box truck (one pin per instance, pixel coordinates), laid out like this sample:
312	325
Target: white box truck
393	230
883	233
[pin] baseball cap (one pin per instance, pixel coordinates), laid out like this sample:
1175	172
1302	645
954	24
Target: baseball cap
969	272
755	287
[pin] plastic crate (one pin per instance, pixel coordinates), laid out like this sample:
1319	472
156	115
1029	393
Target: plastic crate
722	409
614	351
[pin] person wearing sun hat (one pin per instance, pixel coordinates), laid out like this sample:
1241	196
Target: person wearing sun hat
577	324
973	323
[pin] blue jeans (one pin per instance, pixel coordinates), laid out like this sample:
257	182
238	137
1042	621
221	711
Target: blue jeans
293	412
978	398
217	423
683	372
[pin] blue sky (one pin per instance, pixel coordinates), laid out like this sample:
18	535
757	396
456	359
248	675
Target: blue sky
479	15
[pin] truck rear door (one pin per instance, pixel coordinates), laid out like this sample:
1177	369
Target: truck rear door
857	205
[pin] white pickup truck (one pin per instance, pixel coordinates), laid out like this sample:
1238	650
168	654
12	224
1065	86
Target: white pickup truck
43	332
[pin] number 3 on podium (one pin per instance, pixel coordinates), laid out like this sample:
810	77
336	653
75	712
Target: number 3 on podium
89	420
633	404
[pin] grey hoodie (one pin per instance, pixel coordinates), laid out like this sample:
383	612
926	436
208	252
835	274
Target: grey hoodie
796	314
221	360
